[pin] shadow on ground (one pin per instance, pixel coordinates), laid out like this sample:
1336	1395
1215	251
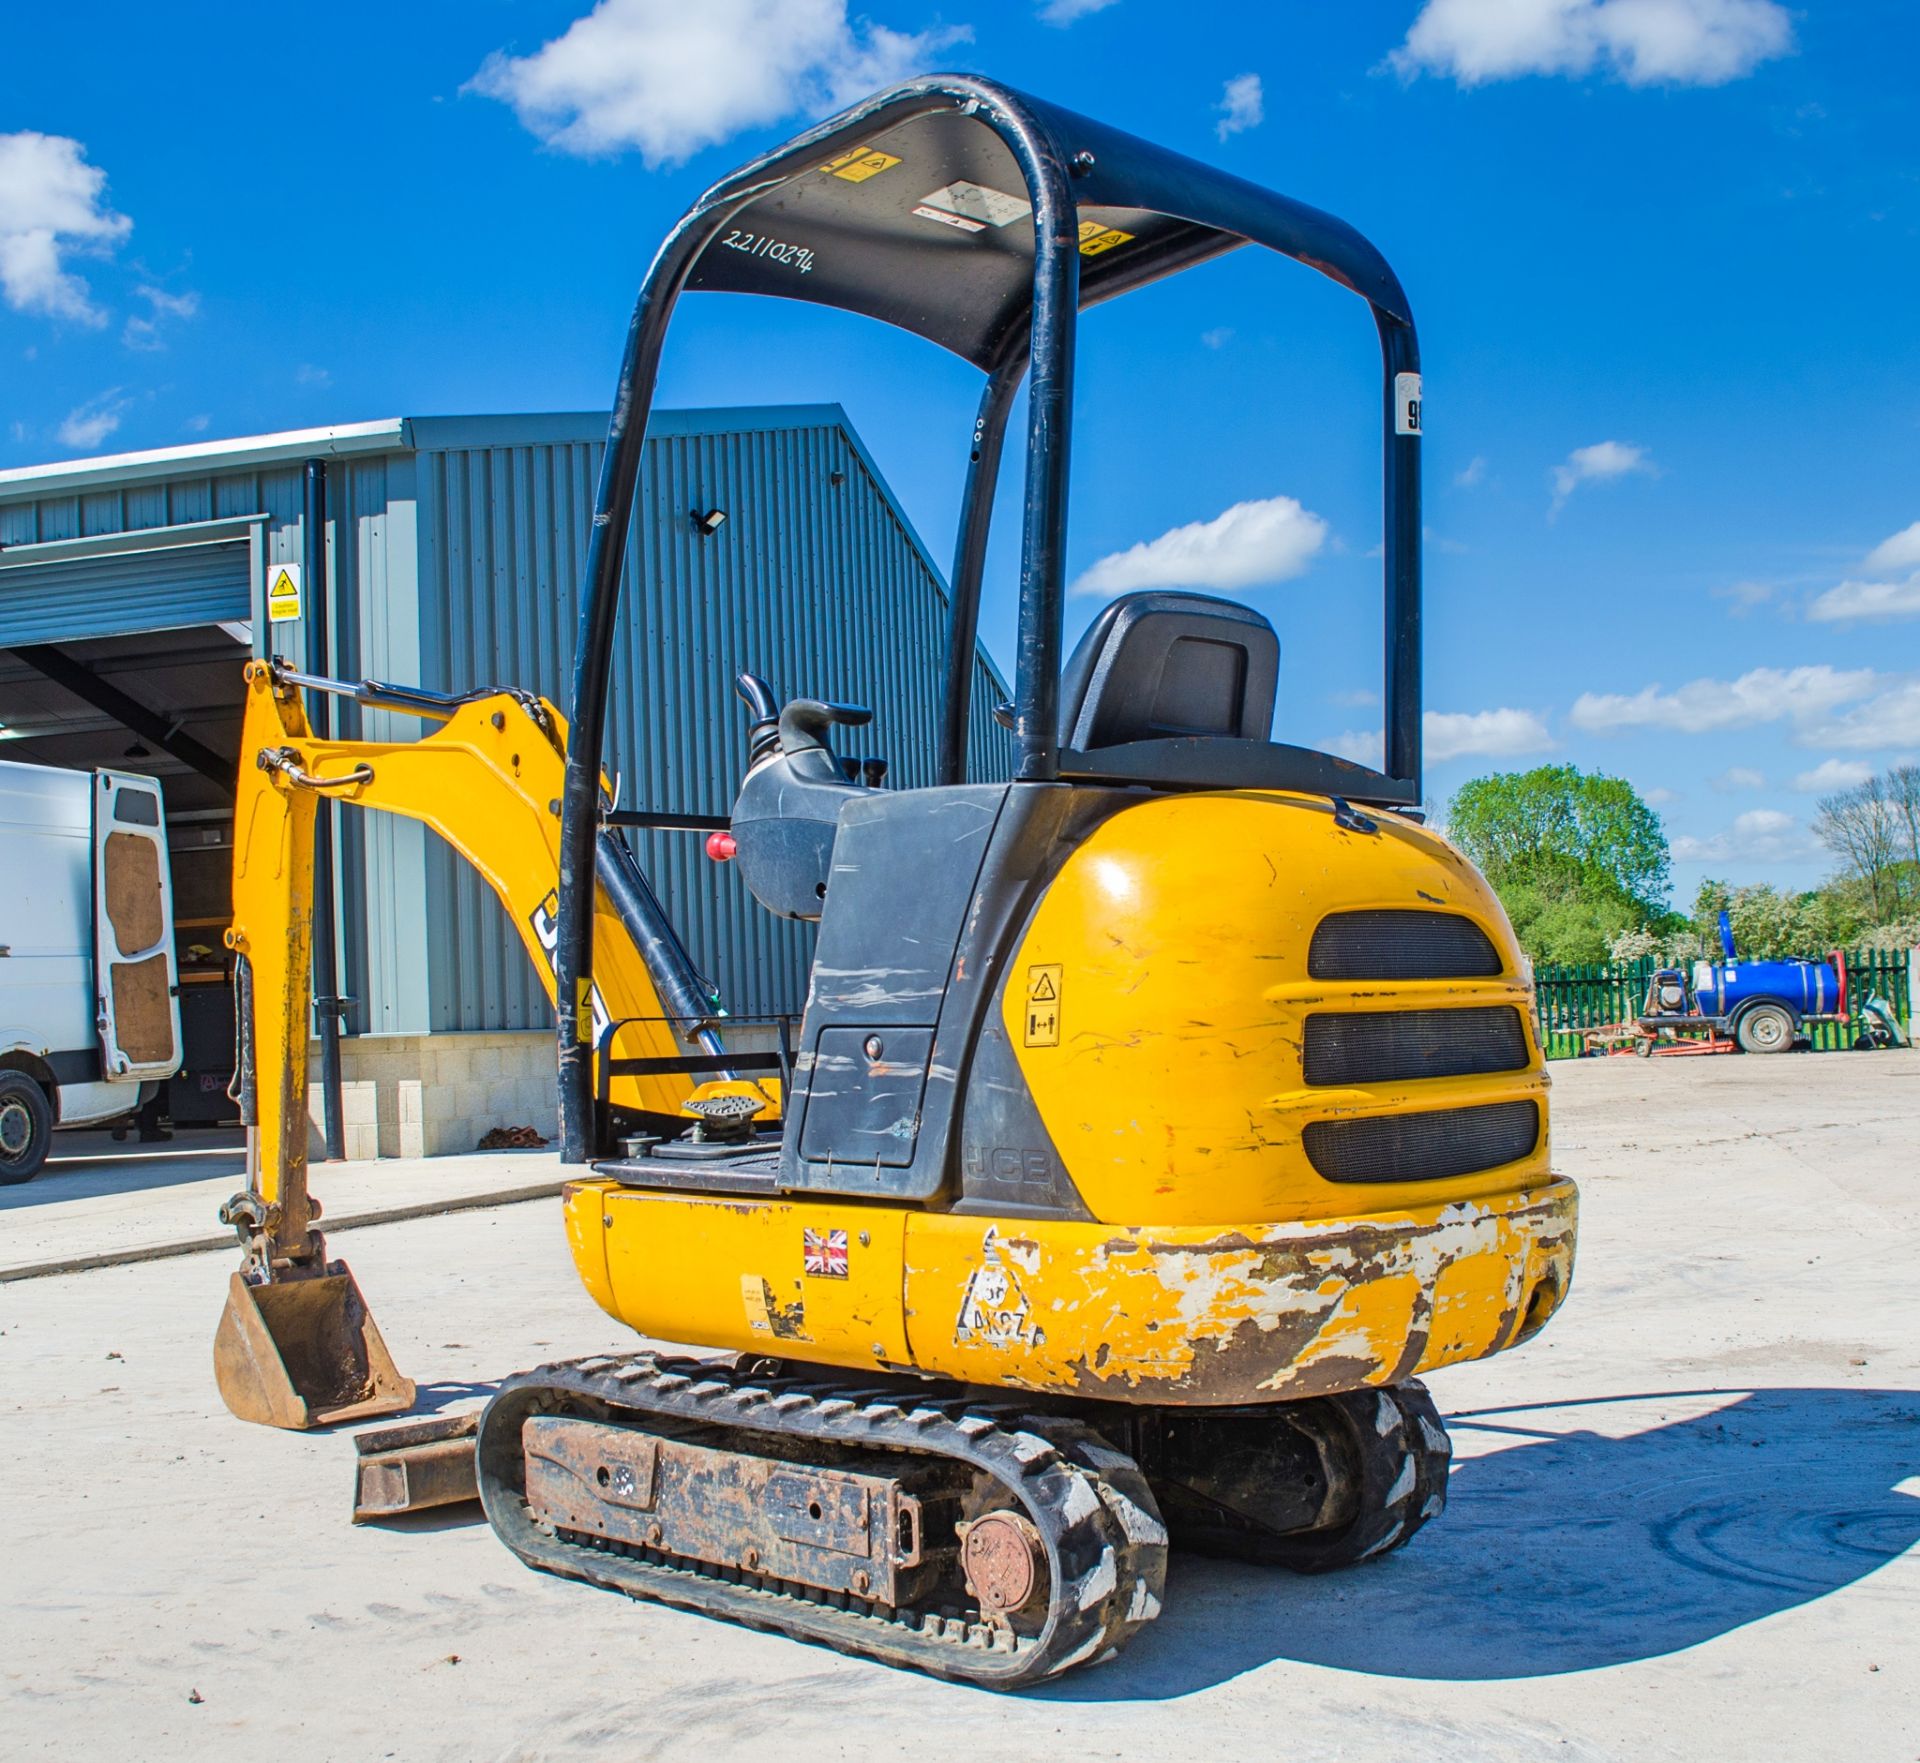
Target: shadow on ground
87	1164
1570	1550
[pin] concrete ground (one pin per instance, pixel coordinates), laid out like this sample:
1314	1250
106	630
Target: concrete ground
98	1201
1683	1521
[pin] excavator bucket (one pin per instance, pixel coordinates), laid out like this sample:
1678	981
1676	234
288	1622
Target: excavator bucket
305	1352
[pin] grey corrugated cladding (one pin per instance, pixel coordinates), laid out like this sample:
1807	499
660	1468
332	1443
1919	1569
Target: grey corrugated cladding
458	551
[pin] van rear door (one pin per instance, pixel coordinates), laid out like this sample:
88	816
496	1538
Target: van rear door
136	983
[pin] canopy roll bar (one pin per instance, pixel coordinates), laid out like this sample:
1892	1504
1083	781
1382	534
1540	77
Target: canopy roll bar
983	220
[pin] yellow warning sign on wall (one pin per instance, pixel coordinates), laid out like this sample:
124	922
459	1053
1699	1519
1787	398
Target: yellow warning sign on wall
283	592
1043	1006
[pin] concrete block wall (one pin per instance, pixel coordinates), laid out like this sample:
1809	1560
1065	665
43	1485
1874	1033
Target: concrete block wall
439	1095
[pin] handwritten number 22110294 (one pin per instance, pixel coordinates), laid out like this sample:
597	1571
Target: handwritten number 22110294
774	250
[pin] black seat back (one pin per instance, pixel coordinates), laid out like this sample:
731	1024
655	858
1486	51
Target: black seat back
1155	665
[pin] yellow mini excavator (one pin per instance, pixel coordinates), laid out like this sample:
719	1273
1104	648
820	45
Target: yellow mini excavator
1158	1114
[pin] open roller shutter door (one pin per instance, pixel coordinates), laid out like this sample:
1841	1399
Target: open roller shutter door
130	591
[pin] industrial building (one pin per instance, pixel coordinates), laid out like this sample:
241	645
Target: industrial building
133	588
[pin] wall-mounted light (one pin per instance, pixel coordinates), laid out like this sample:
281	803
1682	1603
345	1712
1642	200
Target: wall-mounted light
706	525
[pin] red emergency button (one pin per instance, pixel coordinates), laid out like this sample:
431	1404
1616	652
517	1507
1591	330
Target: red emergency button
721	847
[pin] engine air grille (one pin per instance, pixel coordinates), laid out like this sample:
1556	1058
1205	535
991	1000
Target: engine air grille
1423	1147
1387	1046
1393	944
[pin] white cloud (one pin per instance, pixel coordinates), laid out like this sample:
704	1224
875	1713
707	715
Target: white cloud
90	424
1851	601
1745	595
1761	835
1360	698
1889	719
1219	337
1453	734
197	425
1659	796
1242	106
1643	42
1740	777
670	79
1597	464
1902	551
1250	545
144	332
51	205
170	305
1472	472
1765	694
306	374
1066	11
1364	746
1833	774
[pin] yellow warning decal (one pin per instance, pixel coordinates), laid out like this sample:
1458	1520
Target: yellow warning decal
583	1012
1043	1005
283	593
1095	238
860	164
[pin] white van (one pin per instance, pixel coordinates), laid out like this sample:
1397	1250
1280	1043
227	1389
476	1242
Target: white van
89	990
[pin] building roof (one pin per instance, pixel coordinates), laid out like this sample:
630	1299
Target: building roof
394	434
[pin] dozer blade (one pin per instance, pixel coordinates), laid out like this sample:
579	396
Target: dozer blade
305	1352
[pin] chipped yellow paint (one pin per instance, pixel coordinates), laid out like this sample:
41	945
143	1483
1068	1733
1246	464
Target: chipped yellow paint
724	1271
1181	926
1144	1314
1244	1313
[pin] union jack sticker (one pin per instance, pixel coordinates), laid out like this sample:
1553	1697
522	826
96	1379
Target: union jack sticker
823	1253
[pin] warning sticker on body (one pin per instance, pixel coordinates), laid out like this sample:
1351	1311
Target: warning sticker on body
860	164
1043	1006
1406	404
972	207
994	1307
591	1018
1095	238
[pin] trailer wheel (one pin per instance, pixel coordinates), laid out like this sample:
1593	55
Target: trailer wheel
1766	1028
26	1128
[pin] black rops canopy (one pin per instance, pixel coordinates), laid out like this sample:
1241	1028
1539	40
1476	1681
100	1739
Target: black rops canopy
983	220
926	221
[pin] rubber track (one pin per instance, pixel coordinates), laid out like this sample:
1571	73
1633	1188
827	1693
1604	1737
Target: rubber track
1106	1546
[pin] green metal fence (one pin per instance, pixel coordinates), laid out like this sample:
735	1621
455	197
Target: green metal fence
1571	998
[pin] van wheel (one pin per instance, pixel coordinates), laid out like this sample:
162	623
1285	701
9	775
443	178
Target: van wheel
1766	1028
26	1128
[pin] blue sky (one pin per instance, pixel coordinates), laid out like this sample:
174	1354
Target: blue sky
1663	256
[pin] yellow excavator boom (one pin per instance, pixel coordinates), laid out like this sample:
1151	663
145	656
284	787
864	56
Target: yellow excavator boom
296	1346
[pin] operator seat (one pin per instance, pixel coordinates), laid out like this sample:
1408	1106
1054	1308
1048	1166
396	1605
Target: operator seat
1157	665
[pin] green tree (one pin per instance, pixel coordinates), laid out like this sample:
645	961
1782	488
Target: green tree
1769	922
1576	857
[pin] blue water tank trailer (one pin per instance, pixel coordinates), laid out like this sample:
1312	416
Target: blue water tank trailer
1761	1004
1807	988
